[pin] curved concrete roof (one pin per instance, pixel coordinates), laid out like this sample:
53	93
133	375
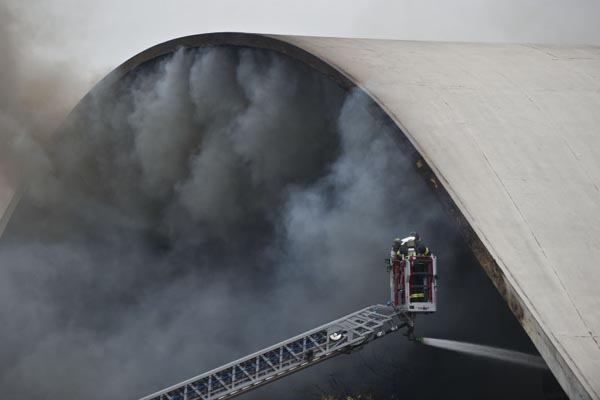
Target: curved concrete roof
509	137
513	134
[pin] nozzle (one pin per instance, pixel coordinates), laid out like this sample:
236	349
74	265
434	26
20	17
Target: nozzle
419	339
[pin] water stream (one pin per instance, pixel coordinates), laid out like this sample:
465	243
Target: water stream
511	356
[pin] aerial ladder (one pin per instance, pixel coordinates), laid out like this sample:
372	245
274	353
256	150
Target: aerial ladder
413	284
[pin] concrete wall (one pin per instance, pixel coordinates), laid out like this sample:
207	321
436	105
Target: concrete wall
510	135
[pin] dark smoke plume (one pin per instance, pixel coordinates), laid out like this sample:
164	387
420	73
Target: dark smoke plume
210	203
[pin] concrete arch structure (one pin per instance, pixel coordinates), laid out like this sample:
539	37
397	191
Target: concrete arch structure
509	137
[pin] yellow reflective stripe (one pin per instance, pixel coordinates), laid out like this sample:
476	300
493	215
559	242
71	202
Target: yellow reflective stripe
417	295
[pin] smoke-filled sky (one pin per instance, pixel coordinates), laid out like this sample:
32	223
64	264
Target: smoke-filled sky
211	204
224	200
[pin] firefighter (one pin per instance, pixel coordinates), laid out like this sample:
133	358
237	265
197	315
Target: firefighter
401	246
423	250
398	249
420	248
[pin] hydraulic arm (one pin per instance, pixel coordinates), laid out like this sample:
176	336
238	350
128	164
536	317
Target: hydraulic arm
341	336
413	283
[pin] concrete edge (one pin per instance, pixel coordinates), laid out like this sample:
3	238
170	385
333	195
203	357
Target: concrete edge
10	209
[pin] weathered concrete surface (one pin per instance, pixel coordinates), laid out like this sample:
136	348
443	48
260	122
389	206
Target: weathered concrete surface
512	133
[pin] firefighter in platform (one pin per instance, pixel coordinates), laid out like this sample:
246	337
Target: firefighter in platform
410	245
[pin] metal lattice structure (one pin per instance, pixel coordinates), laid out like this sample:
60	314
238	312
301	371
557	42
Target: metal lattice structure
338	337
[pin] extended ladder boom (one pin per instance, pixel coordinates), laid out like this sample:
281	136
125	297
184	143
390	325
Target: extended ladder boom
340	336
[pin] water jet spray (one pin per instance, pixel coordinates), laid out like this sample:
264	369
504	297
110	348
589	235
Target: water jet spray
511	356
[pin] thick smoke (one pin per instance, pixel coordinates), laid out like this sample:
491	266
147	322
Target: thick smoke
209	204
37	91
